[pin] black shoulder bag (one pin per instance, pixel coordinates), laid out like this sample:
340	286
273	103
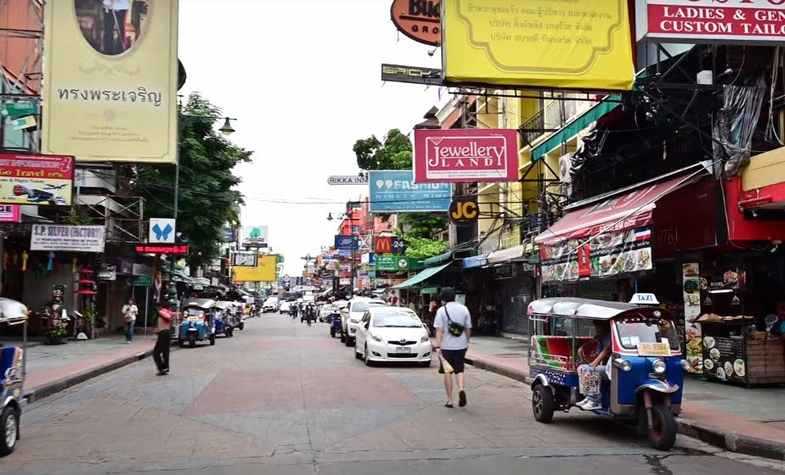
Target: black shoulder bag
455	329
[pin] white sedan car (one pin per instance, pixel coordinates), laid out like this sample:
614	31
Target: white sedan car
392	334
350	317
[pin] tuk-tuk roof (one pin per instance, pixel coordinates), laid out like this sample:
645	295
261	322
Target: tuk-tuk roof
223	304
583	308
200	303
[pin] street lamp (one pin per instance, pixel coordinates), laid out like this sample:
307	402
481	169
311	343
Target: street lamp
227	128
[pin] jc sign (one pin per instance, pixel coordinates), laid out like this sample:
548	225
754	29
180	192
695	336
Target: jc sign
464	211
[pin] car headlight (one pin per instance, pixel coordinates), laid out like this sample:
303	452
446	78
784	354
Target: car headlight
685	365
425	339
376	338
622	364
659	367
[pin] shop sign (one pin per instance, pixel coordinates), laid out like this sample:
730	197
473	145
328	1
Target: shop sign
17	110
704	21
107	273
255	236
51	237
10	214
605	255
141	269
245	259
391	263
412	75
565	45
464	211
394	191
111	98
36	179
389	245
465	155
143	281
346	242
347	180
345	281
691	291
162	231
418	19
165	249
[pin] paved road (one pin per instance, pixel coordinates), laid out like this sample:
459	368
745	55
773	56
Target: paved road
282	398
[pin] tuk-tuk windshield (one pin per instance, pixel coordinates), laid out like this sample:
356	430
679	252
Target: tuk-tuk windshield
194	312
635	330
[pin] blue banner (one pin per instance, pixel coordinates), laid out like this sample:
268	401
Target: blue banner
346	242
394	191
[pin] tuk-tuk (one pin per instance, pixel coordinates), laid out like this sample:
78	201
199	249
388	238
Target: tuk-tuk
12	375
641	381
198	322
225	319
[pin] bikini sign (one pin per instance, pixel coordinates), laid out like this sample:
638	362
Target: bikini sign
701	21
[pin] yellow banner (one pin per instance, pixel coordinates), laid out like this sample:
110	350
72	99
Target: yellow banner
110	80
563	44
265	271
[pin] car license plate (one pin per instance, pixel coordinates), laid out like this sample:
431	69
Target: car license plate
402	349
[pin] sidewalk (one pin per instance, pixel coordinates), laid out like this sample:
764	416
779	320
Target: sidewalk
54	368
738	419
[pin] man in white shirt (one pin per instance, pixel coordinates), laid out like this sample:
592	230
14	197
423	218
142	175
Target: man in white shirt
453	324
130	311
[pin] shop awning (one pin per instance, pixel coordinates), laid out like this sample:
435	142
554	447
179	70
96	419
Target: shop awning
421	277
506	255
436	260
474	262
619	210
572	129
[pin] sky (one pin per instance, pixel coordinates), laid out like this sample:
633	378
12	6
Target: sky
302	78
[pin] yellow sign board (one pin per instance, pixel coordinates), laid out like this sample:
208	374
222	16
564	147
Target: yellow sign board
577	44
654	349
265	271
110	80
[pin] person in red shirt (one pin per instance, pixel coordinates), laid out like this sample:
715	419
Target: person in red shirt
161	350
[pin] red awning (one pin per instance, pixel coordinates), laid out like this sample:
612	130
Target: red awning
619	210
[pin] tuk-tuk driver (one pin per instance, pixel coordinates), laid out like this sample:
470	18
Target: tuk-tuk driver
594	369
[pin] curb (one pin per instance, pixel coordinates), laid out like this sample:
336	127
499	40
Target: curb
730	441
64	383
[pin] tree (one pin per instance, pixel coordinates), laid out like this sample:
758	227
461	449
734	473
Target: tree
208	198
395	153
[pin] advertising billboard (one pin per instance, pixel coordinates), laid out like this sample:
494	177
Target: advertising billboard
111	80
36	179
255	235
245	259
265	271
394	191
346	242
418	19
581	44
705	21
52	237
465	155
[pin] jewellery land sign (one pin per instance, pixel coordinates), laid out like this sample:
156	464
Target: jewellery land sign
394	191
418	19
52	237
412	75
581	44
111	74
706	21
347	180
465	155
36	179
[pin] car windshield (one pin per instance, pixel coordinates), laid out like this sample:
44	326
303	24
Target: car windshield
397	320
633	331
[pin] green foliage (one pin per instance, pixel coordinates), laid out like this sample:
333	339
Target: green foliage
393	153
421	225
423	248
208	198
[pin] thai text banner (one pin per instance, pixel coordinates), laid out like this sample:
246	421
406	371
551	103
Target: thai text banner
580	44
111	80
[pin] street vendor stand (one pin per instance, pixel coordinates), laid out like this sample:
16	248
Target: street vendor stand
733	351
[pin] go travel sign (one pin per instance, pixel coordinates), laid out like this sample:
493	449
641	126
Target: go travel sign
705	21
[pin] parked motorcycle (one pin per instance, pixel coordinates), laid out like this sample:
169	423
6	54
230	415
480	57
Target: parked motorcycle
335	324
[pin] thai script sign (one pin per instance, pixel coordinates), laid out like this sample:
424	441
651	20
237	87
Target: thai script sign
111	74
465	155
699	21
36	179
394	191
51	237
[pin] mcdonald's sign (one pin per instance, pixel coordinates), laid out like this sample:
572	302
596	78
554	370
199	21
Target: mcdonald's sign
388	245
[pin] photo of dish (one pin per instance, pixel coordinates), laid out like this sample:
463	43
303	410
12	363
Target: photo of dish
631	264
714	353
605	264
728	368
693	299
690	270
644	259
738	367
691	286
618	265
704	283
708	342
694	346
602	241
721	374
708	364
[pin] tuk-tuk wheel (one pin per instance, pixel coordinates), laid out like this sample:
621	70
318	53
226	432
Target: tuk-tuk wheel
9	421
662	434
242	326
542	404
228	332
192	341
212	339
